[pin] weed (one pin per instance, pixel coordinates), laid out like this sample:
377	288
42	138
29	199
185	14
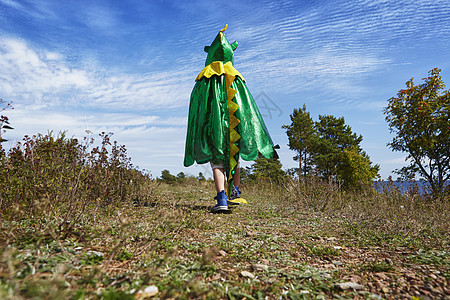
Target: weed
124	255
323	251
440	258
377	266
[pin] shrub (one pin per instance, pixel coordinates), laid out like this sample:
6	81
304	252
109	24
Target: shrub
50	174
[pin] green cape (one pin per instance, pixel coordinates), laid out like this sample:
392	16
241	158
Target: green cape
224	122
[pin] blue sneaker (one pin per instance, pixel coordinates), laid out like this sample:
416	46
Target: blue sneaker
221	206
235	197
235	194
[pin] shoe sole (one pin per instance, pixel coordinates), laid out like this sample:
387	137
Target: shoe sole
220	210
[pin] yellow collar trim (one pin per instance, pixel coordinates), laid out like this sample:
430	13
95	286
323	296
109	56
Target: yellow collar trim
218	68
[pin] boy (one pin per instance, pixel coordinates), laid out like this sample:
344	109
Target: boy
224	122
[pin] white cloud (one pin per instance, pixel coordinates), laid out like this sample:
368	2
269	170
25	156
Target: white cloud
42	119
99	18
11	3
53	56
29	76
137	92
24	71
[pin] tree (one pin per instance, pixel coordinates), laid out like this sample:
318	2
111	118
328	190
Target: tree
267	168
333	137
419	116
330	149
357	171
167	177
201	177
301	135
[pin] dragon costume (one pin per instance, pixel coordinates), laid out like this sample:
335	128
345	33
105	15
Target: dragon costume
224	122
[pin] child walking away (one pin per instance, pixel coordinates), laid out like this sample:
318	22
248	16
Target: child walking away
224	123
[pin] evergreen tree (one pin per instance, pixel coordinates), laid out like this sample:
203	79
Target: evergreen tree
333	136
269	169
167	177
201	177
330	149
356	171
301	134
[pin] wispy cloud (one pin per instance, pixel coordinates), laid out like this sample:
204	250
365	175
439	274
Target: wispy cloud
25	72
142	92
35	76
318	46
12	4
78	121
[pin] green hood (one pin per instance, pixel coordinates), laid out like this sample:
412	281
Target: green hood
220	49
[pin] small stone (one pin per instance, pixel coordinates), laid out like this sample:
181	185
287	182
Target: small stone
385	290
389	261
247	274
149	291
96	253
304	292
229	270
425	292
222	253
382	275
337	263
249	233
337	247
260	267
353	278
437	290
349	286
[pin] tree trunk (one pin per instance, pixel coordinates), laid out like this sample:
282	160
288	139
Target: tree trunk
299	165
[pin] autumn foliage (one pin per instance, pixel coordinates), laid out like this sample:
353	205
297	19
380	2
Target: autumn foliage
419	117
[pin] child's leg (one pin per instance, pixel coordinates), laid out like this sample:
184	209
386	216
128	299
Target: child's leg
237	176
219	179
219	183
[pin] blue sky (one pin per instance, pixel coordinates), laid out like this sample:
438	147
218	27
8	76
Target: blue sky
128	67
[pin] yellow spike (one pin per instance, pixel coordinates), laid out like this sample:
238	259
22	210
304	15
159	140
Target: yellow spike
230	75
234	136
225	28
232	107
234	150
234	122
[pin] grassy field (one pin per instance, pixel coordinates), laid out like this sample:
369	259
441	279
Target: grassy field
291	241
